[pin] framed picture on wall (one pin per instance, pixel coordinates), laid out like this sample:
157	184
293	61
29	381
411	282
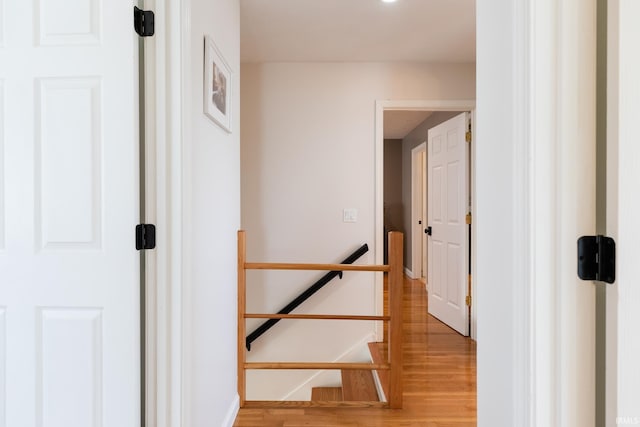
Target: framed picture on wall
217	86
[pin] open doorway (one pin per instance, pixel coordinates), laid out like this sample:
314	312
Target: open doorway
413	169
418	213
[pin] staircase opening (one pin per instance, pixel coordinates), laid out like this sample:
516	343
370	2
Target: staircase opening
377	382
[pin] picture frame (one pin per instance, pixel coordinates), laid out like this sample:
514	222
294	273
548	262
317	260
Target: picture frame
217	85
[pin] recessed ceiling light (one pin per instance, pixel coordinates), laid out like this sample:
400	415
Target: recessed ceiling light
389	1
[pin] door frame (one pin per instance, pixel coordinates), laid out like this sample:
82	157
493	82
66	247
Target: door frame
535	114
407	105
166	129
417	230
622	297
514	44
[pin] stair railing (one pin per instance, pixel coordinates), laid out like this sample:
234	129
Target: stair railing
394	364
297	301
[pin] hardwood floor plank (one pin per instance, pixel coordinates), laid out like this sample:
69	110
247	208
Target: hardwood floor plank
439	381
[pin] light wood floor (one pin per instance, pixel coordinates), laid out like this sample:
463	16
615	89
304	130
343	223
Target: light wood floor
439	381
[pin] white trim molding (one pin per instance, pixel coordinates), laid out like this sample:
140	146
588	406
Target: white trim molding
232	413
408	273
164	402
181	132
536	149
622	341
501	214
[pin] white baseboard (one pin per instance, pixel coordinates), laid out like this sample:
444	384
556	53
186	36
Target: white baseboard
378	383
356	351
409	273
232	413
379	389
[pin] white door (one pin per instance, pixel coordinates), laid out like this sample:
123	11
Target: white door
69	272
447	202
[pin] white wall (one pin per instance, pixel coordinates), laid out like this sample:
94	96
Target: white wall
308	153
495	151
211	173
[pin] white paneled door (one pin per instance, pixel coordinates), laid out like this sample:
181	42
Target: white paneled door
448	201
69	272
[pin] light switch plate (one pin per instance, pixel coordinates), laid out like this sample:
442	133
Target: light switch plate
350	215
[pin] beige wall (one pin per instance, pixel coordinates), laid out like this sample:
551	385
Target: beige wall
308	153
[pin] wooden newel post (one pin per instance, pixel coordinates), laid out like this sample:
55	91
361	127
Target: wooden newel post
396	292
242	306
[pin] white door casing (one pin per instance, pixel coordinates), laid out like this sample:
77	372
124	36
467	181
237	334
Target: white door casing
623	175
448	196
69	293
418	220
396	105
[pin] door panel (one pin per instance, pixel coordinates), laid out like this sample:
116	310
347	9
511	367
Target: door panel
3	360
435	196
448	244
435	276
453	192
2	158
68	202
69	271
70	382
454	257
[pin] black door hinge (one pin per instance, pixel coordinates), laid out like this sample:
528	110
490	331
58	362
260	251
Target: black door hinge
143	22
145	236
597	258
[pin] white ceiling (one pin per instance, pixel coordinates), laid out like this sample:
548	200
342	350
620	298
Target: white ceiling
358	30
397	124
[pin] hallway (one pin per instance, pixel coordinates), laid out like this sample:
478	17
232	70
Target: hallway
439	381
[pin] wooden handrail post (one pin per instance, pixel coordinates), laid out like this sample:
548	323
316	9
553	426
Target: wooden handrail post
396	292
242	308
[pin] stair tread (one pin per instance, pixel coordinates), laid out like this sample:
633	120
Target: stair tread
326	394
303	422
378	352
358	385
